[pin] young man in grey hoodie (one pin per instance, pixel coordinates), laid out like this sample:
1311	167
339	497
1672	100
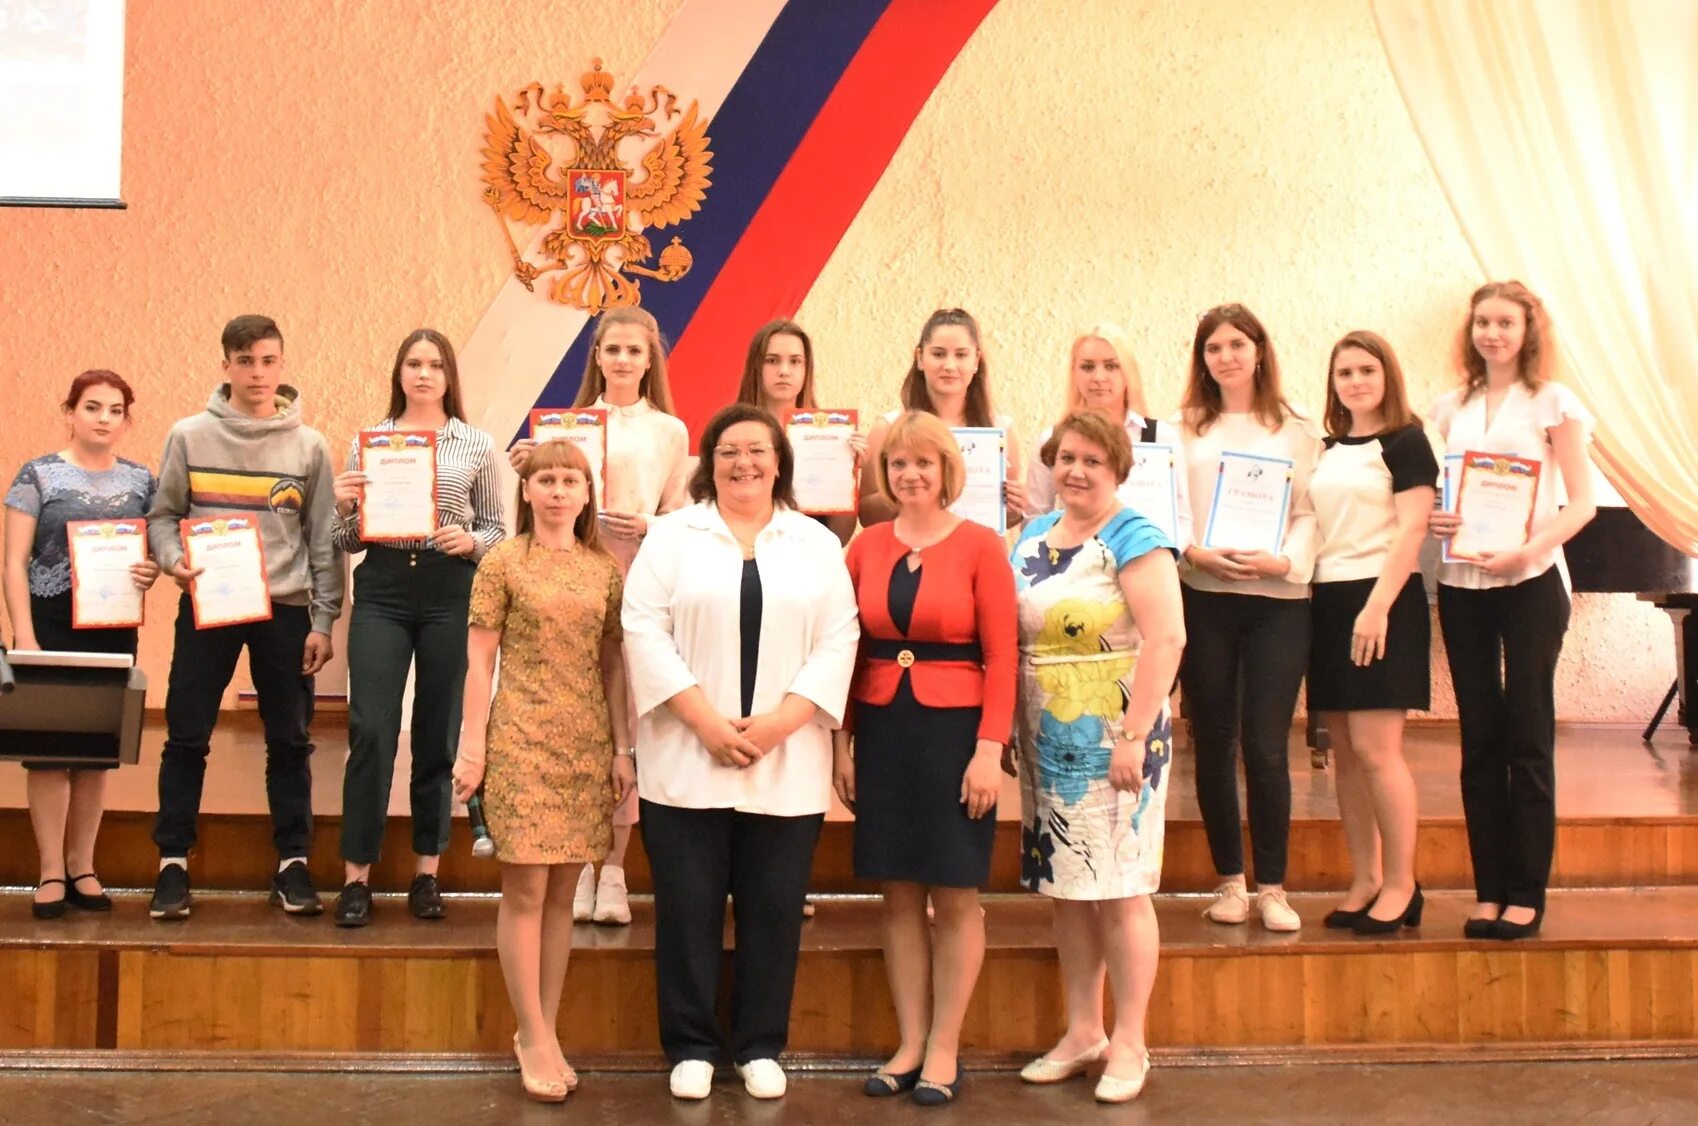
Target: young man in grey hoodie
247	455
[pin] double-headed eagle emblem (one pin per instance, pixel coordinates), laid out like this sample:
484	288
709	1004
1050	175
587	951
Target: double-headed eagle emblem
558	164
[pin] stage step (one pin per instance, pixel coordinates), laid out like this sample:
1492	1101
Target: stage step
1612	967
236	854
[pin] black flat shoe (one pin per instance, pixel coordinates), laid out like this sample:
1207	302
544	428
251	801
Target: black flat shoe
1339	919
927	1093
424	898
99	901
883	1084
353	905
1509	932
1411	917
1480	928
52	908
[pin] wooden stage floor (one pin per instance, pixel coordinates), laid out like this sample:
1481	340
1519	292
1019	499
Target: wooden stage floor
1602	771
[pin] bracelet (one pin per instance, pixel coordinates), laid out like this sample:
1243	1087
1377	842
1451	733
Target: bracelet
624	752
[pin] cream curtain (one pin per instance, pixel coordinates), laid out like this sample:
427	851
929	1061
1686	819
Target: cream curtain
1565	133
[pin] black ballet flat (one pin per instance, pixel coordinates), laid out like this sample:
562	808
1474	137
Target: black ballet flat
53	908
1411	917
927	1093
1480	928
1341	920
99	901
1509	932
883	1084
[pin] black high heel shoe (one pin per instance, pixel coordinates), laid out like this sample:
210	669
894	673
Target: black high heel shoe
883	1084
1339	919
1411	917
1509	932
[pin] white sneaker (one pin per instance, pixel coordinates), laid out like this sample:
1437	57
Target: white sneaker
692	1079
611	903
763	1079
1276	913
583	899
1231	904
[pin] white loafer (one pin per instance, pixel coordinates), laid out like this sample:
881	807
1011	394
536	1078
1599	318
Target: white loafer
763	1079
692	1079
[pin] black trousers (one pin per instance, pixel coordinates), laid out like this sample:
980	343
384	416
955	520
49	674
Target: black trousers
1503	644
697	857
1245	655
202	664
409	612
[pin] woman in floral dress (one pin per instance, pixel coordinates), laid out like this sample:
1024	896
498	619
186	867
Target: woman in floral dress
1101	631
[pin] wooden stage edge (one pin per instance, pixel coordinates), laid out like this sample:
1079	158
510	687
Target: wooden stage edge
480	1063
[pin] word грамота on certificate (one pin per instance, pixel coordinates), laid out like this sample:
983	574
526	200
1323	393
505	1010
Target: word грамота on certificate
1251	502
825	461
399	502
1494	502
232	587
104	594
1152	488
984	449
584	427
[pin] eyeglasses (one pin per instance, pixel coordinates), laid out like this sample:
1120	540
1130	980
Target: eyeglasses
732	453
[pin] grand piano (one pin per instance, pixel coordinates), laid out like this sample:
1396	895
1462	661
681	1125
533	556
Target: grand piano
1617	554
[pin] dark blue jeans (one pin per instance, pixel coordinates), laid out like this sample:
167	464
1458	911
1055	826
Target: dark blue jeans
409	612
202	664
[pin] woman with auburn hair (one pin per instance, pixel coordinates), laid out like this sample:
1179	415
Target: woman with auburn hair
1101	633
948	377
1103	376
931	710
1370	651
1246	612
1504	613
740	625
549	752
647	467
410	602
778	376
86	480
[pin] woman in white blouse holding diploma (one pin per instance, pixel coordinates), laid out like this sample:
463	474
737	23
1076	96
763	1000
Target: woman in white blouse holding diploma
1249	456
741	633
1103	376
647	466
1504	613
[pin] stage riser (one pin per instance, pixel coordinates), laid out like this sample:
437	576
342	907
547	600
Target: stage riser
154	1001
236	853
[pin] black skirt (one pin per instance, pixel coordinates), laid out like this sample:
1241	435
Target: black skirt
910	825
1401	680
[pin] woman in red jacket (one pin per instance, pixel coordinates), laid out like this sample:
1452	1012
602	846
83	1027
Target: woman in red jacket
932	705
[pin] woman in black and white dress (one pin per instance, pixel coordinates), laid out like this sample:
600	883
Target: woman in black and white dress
1371	639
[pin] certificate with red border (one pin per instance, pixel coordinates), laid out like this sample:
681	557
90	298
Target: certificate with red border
399	500
825	477
1494	502
103	593
230	554
584	427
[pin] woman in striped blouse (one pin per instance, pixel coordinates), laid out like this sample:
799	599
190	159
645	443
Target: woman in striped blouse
410	606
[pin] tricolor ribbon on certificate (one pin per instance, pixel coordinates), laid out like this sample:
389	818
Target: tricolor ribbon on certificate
584	427
825	477
104	594
232	587
1495	495
399	501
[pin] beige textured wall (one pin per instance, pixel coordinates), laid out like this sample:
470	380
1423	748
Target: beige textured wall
1082	159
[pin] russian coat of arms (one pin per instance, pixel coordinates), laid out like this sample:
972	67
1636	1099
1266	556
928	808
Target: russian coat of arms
596	174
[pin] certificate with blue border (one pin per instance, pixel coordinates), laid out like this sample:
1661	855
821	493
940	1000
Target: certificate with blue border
1449	478
1251	503
984	449
1152	488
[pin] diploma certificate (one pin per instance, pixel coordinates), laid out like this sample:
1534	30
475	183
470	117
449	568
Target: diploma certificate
1450	475
232	587
985	451
826	483
400	490
1494	501
103	595
1251	502
584	427
1151	489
